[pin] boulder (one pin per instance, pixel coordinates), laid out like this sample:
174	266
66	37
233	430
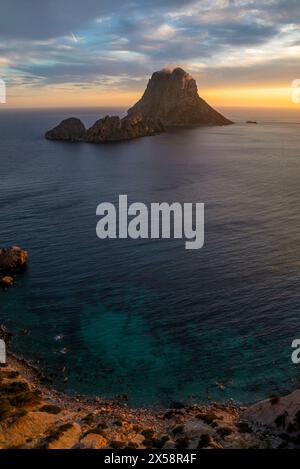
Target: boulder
12	259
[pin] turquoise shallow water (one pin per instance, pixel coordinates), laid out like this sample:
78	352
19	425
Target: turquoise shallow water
149	318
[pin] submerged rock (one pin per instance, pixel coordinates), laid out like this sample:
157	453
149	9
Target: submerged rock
172	97
72	130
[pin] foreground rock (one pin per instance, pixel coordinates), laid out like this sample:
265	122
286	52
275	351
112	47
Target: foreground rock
12	261
172	97
35	416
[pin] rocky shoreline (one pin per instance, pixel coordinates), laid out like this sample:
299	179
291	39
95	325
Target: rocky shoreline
36	416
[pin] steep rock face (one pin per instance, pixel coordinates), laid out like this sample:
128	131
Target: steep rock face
71	130
172	97
112	129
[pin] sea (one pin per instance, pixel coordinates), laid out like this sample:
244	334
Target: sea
150	319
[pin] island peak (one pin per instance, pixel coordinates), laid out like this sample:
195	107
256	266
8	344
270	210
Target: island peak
170	100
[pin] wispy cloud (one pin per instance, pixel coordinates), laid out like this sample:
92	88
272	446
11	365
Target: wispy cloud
119	43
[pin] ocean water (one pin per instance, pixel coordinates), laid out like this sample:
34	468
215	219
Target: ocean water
147	317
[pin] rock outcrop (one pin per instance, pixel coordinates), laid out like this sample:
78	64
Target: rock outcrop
72	130
113	129
172	97
12	260
108	129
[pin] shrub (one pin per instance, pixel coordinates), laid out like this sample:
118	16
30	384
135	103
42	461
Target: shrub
244	427
50	409
14	387
159	442
182	443
27	397
54	435
118	423
88	419
224	431
115	444
5	409
9	374
178	429
98	430
148	433
132	445
204	441
207	418
147	442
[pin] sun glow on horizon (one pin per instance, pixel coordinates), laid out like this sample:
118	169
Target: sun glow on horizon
52	97
259	97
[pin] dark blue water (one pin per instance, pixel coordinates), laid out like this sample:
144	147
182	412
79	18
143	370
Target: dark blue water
149	318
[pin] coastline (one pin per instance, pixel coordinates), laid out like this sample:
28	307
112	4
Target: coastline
33	415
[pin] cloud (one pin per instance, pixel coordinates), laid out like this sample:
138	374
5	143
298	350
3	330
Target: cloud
35	19
119	43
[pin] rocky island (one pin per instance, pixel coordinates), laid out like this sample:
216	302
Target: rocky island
170	100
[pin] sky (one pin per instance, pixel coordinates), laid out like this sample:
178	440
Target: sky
102	52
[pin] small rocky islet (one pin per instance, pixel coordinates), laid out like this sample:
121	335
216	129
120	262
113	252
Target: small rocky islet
170	100
12	261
